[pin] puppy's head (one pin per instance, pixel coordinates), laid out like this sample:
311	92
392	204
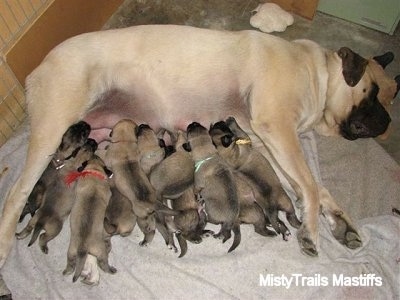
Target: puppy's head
360	104
199	141
181	141
151	148
84	153
147	139
221	135
124	130
75	136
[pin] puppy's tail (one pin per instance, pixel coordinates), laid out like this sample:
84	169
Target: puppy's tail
237	237
80	264
183	244
35	234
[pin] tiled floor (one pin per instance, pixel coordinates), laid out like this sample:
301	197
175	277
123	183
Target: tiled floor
330	32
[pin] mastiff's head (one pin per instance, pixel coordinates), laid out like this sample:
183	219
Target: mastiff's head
359	101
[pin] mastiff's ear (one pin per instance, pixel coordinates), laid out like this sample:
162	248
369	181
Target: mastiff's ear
353	66
384	59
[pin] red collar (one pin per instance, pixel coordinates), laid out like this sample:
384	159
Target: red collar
75	175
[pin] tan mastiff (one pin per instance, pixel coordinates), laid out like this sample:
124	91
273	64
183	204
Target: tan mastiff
168	76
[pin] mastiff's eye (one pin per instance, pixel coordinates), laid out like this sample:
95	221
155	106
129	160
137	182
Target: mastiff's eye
364	90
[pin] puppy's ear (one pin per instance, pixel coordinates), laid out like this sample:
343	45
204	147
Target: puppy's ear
384	59
168	150
226	140
161	143
83	166
353	66
187	147
108	172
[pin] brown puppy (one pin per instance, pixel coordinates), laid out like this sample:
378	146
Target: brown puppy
191	221
235	146
150	147
172	178
54	197
250	211
123	158
119	218
214	184
87	218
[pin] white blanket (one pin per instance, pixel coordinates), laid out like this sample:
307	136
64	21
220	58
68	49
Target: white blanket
359	171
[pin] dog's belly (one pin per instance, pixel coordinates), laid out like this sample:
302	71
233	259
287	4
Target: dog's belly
172	112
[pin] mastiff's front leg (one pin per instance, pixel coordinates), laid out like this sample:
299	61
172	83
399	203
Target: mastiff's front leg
282	141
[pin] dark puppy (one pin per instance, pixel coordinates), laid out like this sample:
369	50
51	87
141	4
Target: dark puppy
150	148
191	221
131	181
87	218
214	184
53	196
173	180
234	145
119	218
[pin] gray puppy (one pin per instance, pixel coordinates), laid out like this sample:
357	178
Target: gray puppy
214	183
119	218
191	221
53	196
234	145
173	180
150	148
88	236
122	157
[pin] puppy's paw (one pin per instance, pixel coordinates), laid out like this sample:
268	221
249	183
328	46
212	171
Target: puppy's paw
44	249
173	248
307	246
345	233
143	243
286	235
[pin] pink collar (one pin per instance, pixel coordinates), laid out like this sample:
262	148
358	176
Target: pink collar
75	175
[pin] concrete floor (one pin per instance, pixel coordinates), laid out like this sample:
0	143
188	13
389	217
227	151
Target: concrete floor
328	31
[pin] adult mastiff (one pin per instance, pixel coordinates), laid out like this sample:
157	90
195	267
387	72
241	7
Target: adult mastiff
168	76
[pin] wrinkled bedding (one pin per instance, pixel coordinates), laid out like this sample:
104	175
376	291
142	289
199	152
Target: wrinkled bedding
361	177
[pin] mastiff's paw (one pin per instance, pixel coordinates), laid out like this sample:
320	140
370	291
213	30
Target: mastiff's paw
307	246
345	233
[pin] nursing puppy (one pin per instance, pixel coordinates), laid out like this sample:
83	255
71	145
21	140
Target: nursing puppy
151	149
119	217
172	178
88	236
275	89
214	184
54	197
191	221
122	157
235	146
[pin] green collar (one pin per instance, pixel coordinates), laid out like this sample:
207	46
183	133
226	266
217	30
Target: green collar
199	163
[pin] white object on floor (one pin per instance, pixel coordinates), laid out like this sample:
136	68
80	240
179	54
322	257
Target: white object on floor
270	17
